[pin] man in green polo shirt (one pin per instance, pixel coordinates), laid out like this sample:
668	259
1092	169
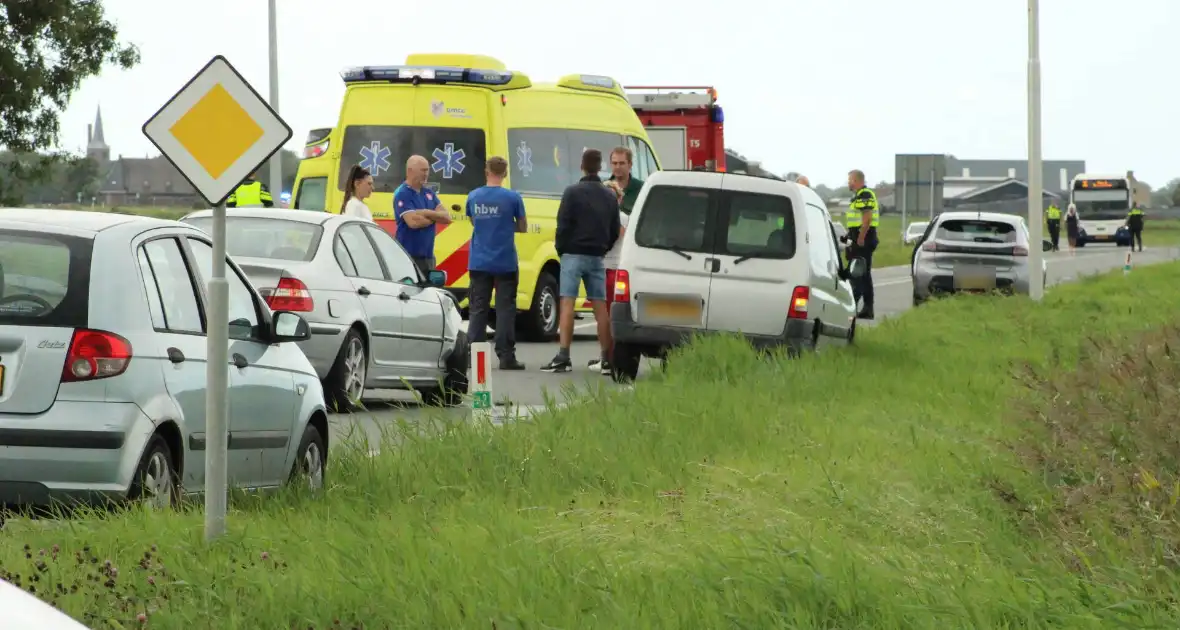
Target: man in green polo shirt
620	169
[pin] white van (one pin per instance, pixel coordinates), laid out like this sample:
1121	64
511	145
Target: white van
718	252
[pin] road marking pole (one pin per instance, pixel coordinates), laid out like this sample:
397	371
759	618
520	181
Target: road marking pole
480	386
216	131
1127	265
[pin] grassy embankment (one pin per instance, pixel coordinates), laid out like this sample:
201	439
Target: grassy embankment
907	482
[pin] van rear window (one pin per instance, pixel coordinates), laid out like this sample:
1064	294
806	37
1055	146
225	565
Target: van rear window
456	156
674	218
760	226
44	279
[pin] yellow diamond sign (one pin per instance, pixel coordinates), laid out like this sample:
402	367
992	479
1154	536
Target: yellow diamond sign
217	130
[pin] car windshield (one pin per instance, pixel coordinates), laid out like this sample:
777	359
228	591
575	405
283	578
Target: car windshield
257	237
976	231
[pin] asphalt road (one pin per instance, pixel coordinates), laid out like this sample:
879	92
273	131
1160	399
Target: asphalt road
527	390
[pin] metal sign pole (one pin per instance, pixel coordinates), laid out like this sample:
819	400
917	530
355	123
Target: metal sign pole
905	176
216	399
1036	287
932	194
276	161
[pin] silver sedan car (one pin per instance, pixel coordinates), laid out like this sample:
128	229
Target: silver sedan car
973	252
103	365
376	323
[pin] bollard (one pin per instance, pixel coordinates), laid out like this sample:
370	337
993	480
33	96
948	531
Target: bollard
480	384
1127	264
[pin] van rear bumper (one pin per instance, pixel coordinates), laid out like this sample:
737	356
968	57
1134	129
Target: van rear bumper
798	334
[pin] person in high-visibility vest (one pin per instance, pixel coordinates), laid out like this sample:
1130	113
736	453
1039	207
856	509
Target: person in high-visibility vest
1053	220
250	194
862	219
1135	225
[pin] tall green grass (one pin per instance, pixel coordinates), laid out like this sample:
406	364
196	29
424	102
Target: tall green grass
878	486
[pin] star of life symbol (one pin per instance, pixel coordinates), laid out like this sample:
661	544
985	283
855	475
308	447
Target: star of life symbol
525	155
375	158
448	160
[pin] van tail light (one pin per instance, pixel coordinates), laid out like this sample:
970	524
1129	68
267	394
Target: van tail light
95	354
315	150
622	286
290	295
1020	250
930	246
799	298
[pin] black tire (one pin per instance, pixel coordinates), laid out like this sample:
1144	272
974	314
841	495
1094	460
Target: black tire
156	480
917	301
312	449
337	383
624	365
539	323
454	381
852	333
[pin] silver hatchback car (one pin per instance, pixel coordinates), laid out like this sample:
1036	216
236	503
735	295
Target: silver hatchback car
103	365
376	323
973	251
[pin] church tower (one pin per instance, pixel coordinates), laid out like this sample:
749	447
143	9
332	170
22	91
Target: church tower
96	146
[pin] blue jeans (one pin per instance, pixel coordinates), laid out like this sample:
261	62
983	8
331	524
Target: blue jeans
579	269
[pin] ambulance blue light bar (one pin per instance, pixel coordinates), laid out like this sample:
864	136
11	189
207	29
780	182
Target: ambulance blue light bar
423	74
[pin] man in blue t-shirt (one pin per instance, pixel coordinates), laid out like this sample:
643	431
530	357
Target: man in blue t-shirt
497	216
417	210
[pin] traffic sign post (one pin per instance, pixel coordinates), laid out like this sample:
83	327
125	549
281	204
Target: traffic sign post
480	385
217	131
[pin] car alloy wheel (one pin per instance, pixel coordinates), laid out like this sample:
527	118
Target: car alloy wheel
313	466
548	307
355	369
158	483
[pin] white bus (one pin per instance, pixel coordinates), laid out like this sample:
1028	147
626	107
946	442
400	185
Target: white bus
1103	202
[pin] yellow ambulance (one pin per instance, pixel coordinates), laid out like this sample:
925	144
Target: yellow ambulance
456	110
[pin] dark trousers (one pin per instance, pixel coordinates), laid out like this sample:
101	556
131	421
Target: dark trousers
1137	237
425	265
862	288
1054	231
479	301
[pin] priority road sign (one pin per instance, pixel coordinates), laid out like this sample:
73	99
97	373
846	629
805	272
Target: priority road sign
217	130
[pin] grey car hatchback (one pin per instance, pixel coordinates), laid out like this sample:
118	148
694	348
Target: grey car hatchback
376	322
103	365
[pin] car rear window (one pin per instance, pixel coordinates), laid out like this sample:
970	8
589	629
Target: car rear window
976	231
674	218
256	237
44	279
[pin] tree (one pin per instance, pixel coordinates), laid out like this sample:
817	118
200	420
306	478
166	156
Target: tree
48	47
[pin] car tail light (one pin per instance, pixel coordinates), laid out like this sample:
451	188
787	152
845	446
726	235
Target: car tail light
930	246
622	287
1020	250
290	295
799	298
315	150
95	354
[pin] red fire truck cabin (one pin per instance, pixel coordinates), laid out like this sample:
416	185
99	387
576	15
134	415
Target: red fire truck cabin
685	124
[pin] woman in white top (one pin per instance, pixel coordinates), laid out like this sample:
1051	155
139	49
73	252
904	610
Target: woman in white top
356	190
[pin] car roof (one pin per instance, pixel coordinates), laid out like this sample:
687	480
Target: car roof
316	217
713	179
981	216
76	222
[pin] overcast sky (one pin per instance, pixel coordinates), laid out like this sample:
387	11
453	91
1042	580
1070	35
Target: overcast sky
815	86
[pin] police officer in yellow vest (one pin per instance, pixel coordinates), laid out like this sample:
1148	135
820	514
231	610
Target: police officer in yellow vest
862	219
1053	220
250	194
1135	225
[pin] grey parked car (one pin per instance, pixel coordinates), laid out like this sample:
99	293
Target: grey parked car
103	365
973	251
376	323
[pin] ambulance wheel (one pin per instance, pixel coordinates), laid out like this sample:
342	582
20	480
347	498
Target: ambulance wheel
539	323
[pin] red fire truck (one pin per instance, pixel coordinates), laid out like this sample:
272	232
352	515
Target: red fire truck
685	124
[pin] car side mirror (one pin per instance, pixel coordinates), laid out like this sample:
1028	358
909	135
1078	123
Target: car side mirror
287	326
1046	245
857	268
436	278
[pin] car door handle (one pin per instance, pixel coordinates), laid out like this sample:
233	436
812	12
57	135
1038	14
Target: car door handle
175	355
405	297
363	291
240	361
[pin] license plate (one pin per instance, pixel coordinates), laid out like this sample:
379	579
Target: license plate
675	310
1102	237
974	278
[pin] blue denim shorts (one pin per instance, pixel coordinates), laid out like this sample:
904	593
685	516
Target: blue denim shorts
578	269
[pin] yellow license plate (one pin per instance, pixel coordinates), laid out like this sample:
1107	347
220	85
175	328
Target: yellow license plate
1102	237
681	310
974	279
